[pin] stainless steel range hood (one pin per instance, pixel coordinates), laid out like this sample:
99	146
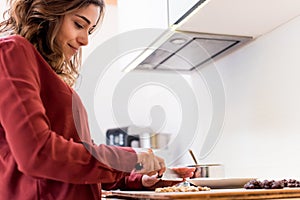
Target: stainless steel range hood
186	51
212	29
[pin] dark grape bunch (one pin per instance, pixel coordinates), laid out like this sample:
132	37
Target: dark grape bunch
291	183
271	184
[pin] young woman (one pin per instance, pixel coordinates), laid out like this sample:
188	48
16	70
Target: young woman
44	154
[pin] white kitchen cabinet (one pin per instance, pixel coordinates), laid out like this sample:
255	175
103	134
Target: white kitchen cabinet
213	29
177	8
251	18
152	13
139	14
3	7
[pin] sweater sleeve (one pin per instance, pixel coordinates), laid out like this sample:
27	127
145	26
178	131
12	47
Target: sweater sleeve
131	181
38	150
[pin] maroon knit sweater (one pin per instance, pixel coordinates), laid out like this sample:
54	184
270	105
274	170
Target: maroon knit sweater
42	151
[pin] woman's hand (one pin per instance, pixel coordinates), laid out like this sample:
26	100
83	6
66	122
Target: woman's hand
149	181
150	164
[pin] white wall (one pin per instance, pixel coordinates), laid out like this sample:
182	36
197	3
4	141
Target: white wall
109	28
261	131
126	16
2	9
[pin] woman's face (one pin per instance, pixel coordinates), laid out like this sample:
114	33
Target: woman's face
76	28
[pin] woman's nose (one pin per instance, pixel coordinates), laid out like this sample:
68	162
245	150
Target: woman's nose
83	39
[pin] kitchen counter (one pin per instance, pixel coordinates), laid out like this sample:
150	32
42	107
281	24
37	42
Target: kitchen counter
223	194
116	198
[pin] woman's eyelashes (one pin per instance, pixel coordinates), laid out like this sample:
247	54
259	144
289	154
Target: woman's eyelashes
78	25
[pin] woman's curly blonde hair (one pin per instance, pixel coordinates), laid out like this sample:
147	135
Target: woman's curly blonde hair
39	22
